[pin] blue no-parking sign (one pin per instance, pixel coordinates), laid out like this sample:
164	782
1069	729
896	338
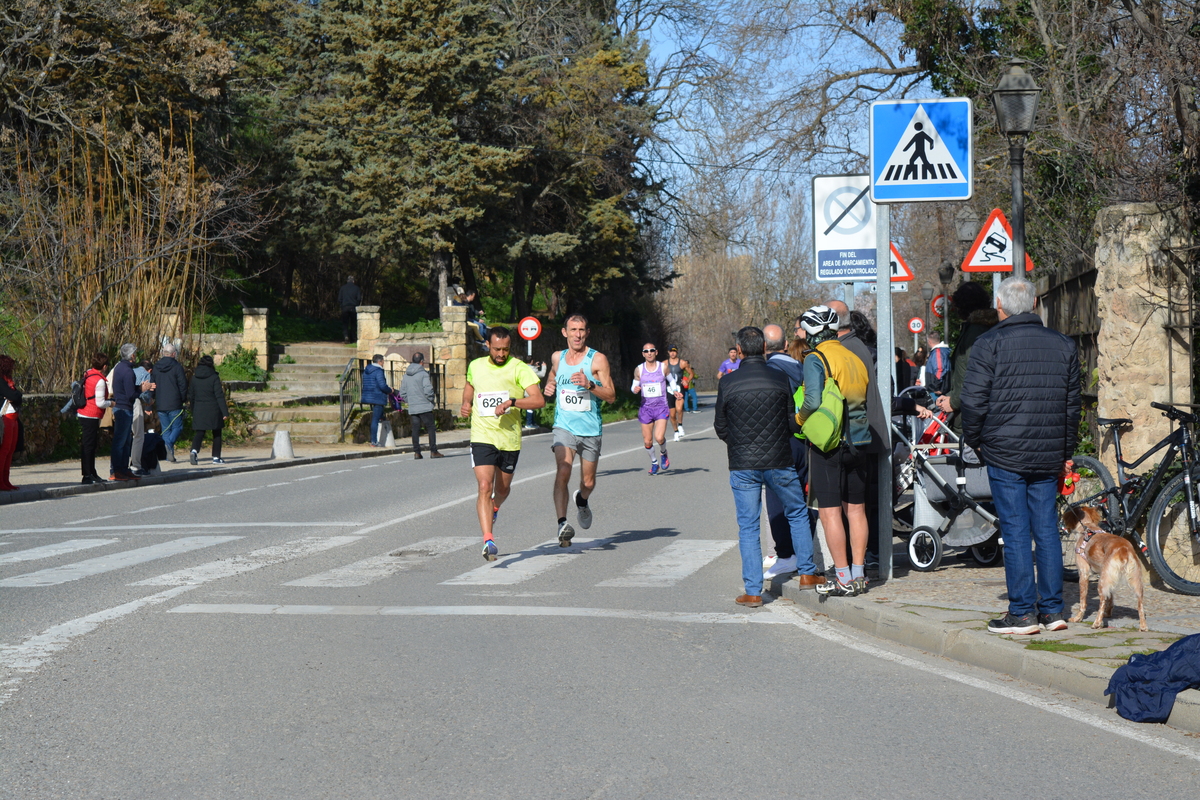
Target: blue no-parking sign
921	150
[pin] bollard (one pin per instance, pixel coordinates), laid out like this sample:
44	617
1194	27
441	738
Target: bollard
283	445
386	437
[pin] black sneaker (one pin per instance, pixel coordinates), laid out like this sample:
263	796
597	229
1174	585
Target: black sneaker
1053	622
1023	625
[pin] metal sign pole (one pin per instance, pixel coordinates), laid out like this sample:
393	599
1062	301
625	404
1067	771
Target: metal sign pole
884	371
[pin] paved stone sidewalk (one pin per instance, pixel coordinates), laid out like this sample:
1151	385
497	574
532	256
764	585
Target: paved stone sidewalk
61	478
946	612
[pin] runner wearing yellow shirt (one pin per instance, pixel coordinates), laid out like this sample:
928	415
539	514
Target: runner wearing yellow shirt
497	385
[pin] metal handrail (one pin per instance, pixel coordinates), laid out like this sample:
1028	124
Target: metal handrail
349	393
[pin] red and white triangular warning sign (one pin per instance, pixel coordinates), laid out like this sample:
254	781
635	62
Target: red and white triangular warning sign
993	250
900	270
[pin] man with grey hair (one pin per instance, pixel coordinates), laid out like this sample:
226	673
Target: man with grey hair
125	392
170	389
755	418
1020	410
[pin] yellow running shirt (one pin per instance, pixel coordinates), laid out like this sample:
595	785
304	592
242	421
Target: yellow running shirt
493	385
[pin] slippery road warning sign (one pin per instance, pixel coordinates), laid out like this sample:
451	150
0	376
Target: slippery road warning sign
921	150
993	250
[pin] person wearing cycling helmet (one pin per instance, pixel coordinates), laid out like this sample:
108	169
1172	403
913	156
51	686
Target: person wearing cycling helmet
838	478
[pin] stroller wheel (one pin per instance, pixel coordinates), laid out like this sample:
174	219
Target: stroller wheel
987	554
924	549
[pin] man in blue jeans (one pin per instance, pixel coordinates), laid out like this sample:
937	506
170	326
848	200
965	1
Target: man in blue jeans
170	391
755	417
124	393
1020	410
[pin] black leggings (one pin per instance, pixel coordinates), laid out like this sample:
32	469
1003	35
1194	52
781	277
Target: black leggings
89	439
198	439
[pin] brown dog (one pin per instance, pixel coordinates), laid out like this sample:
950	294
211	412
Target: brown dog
1108	556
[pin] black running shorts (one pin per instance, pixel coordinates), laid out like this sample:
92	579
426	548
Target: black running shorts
837	477
488	455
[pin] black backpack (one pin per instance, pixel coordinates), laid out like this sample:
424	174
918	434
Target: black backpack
78	393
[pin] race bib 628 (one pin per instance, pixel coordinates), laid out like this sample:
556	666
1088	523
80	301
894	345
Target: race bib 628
488	402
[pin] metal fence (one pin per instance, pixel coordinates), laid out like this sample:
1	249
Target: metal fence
350	388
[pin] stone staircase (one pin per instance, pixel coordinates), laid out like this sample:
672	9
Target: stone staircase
302	394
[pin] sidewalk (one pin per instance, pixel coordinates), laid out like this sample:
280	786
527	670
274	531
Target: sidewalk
61	478
946	612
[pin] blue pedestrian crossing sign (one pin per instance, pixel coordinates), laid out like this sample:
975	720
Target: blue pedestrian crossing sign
921	150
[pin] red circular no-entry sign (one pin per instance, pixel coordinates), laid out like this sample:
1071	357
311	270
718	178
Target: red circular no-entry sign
529	328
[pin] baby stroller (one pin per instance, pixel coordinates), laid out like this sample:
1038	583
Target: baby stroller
941	495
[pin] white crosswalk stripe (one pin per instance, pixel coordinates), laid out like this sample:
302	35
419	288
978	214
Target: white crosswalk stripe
267	556
519	567
672	564
52	550
95	566
369	570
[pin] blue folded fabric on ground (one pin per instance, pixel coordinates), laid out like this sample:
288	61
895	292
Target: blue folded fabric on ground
1144	689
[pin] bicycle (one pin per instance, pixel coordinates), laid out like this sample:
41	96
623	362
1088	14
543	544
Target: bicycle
1172	541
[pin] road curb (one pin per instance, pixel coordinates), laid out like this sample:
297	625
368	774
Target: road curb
33	495
978	648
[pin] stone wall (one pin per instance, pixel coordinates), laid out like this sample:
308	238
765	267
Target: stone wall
219	344
452	347
1144	343
253	336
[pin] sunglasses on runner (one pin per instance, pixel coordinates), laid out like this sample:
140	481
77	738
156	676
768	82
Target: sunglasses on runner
651	350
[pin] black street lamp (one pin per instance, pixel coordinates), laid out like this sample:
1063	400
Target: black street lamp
1016	100
946	277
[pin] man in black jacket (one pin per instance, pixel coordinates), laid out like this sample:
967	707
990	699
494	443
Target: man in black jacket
755	417
170	388
349	299
1020	410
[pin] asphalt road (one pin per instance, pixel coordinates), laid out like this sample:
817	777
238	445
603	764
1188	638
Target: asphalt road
331	631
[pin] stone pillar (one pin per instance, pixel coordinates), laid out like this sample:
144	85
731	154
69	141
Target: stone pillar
254	333
455	354
368	330
1145	342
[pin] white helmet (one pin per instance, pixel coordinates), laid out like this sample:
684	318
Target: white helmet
819	319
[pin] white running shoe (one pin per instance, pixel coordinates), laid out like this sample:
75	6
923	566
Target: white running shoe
565	534
676	439
679	434
768	561
583	514
782	566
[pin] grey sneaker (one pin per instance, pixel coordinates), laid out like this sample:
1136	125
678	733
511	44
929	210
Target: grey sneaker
1023	625
582	513
565	534
835	587
860	585
194	458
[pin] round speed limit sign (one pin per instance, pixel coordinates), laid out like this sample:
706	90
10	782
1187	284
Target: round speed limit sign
529	328
916	325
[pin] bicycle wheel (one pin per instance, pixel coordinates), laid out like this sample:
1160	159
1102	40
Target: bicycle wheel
1094	478
1174	552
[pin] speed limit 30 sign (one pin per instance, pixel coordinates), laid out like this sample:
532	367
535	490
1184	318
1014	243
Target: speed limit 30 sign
916	325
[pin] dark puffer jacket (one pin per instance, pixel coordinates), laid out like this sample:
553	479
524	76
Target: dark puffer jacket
755	416
1021	396
171	384
207	398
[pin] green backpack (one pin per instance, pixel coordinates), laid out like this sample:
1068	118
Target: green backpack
823	428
